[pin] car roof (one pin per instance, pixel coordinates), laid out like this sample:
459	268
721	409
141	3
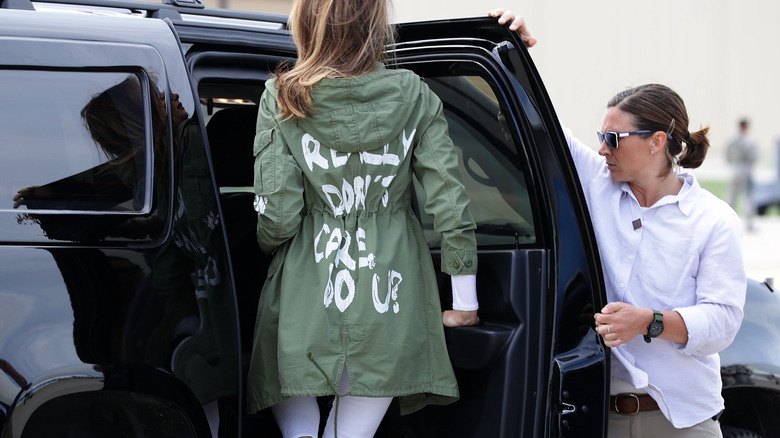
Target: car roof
196	23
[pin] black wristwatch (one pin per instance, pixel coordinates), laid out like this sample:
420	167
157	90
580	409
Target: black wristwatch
656	327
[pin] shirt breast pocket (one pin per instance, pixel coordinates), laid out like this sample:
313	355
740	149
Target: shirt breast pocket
670	272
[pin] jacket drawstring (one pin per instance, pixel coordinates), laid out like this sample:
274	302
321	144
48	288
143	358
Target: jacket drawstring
335	391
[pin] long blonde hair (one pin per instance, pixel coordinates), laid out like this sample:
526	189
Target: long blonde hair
335	38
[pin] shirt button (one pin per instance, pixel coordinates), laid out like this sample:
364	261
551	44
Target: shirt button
631	257
622	285
456	264
468	263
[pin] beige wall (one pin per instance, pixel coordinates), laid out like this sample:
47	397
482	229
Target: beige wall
720	55
270	6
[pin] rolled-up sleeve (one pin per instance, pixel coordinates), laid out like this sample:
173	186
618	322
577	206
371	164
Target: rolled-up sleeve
721	285
588	162
278	182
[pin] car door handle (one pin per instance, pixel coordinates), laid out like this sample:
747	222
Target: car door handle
567	408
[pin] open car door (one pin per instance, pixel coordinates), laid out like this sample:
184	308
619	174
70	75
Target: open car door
534	366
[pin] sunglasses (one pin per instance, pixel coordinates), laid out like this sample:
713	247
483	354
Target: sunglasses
611	138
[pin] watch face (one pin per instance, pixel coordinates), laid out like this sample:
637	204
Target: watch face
655	329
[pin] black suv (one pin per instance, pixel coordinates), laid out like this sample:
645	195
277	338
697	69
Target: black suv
129	268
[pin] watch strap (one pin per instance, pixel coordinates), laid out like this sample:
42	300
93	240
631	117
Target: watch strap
658	317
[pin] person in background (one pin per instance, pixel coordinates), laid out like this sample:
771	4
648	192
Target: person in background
351	307
741	154
671	258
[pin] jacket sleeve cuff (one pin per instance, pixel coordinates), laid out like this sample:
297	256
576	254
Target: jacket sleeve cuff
458	263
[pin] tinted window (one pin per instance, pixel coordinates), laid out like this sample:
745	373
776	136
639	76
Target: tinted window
491	167
75	141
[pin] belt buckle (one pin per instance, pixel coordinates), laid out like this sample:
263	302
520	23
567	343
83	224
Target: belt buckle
626	395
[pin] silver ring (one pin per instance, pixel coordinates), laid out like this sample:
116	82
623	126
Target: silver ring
608	332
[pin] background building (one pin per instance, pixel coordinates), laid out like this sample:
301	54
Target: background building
720	55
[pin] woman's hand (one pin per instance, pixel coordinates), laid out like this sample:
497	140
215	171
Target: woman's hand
619	323
19	196
516	23
460	318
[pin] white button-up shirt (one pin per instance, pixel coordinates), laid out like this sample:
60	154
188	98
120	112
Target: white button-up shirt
686	256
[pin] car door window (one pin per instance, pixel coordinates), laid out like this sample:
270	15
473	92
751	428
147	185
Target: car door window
492	170
84	151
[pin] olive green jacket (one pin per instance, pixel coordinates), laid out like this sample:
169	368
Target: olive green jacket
352	285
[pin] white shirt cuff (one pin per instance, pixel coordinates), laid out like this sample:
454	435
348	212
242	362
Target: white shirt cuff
464	292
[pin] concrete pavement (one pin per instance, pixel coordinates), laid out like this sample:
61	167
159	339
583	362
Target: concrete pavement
761	249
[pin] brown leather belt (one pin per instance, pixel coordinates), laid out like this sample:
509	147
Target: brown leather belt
631	404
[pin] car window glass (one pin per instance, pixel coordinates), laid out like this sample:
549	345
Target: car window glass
490	165
85	149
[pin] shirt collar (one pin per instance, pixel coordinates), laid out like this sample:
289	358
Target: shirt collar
687	195
684	199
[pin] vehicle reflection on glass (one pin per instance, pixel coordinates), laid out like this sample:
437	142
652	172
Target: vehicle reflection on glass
168	308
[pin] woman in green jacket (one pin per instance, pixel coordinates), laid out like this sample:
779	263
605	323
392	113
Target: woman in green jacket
351	305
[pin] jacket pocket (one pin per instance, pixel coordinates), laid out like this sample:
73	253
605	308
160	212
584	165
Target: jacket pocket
265	161
262	140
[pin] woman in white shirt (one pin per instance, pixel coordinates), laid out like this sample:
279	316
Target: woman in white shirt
672	263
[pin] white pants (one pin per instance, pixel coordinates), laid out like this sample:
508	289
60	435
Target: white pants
358	417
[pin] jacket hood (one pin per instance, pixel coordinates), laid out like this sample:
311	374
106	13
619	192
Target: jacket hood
362	113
